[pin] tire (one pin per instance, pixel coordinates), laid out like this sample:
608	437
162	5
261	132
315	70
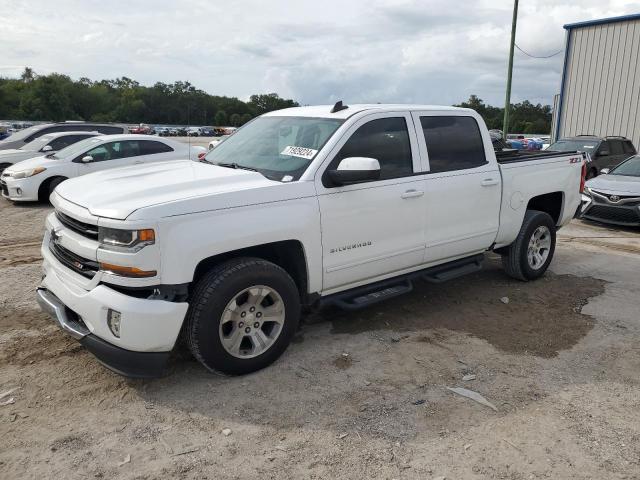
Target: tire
517	261
54	183
214	318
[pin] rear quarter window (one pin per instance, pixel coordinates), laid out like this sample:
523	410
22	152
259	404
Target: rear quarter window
453	143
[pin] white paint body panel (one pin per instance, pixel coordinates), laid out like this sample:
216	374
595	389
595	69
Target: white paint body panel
350	235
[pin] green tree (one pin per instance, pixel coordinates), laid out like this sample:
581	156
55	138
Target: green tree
235	119
220	119
245	118
268	102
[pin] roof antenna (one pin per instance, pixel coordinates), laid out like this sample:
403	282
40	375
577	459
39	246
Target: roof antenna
339	106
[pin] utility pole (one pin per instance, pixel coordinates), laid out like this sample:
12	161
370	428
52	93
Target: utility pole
507	102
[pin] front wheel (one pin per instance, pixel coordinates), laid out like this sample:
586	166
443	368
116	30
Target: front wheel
242	316
529	256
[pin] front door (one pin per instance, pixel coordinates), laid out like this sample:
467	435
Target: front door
374	229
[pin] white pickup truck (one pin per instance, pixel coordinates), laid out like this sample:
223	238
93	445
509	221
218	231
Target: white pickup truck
299	208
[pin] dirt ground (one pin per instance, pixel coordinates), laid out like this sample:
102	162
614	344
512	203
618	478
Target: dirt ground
357	395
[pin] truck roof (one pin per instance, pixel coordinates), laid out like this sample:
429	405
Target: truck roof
324	111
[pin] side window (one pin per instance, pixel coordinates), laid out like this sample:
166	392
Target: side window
386	140
100	153
616	147
453	143
148	147
604	147
126	149
628	147
107	130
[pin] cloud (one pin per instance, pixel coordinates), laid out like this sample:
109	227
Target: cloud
421	51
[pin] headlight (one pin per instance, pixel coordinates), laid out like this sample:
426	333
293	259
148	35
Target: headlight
117	239
27	173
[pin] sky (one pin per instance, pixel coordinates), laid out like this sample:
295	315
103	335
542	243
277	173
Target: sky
316	52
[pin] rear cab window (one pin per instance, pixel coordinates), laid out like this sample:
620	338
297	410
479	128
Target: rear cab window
453	143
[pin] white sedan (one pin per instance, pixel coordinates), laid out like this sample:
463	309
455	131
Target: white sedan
36	178
43	145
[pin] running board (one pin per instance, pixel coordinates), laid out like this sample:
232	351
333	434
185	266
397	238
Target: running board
360	297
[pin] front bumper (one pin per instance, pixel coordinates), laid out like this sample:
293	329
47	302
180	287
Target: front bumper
119	360
148	328
616	214
21	189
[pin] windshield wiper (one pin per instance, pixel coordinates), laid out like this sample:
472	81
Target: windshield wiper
236	166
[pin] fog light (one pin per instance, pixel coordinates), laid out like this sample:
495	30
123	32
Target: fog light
113	320
19	191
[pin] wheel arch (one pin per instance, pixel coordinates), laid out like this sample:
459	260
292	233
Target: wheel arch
551	203
43	189
287	254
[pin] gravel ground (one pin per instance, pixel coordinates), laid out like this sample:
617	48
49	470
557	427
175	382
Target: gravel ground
357	395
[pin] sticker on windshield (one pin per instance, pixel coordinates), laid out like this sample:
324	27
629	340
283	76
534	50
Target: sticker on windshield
301	152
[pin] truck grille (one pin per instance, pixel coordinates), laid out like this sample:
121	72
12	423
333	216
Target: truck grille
613	214
84	267
84	229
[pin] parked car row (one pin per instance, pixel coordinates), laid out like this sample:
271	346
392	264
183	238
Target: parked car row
161	131
33	171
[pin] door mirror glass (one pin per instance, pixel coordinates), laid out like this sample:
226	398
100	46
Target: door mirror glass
604	171
354	170
86	159
47	148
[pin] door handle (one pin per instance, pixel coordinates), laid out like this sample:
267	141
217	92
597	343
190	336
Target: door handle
412	193
489	182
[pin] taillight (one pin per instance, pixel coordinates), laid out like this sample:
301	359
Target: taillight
583	176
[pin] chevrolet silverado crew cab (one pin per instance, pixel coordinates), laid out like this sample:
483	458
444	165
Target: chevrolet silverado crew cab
308	206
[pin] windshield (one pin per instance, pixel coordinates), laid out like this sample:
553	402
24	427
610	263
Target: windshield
37	144
630	167
76	149
280	148
573	146
22	134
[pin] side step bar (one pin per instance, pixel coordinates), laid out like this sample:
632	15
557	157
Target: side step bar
360	297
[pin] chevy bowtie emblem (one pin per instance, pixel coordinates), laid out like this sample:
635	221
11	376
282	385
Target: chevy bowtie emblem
55	235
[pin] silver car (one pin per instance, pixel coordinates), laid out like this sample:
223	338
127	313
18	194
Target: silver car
614	196
43	145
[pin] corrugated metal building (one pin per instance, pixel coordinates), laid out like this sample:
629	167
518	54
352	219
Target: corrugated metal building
600	90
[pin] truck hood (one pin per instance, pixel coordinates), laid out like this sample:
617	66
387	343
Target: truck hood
170	188
620	184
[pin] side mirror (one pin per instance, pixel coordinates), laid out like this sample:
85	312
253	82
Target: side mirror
355	170
47	148
604	171
603	153
86	159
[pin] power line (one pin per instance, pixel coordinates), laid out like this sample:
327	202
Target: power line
544	56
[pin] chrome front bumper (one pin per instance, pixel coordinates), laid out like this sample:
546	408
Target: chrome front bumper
52	305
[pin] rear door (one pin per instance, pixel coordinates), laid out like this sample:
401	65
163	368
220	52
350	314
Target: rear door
463	188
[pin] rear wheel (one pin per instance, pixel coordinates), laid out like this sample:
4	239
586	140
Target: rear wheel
529	256
242	316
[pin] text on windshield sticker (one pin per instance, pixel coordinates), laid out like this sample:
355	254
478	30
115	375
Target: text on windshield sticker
301	152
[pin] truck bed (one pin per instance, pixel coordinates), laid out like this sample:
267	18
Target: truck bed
513	156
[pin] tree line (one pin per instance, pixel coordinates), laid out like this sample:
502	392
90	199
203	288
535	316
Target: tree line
524	117
57	97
